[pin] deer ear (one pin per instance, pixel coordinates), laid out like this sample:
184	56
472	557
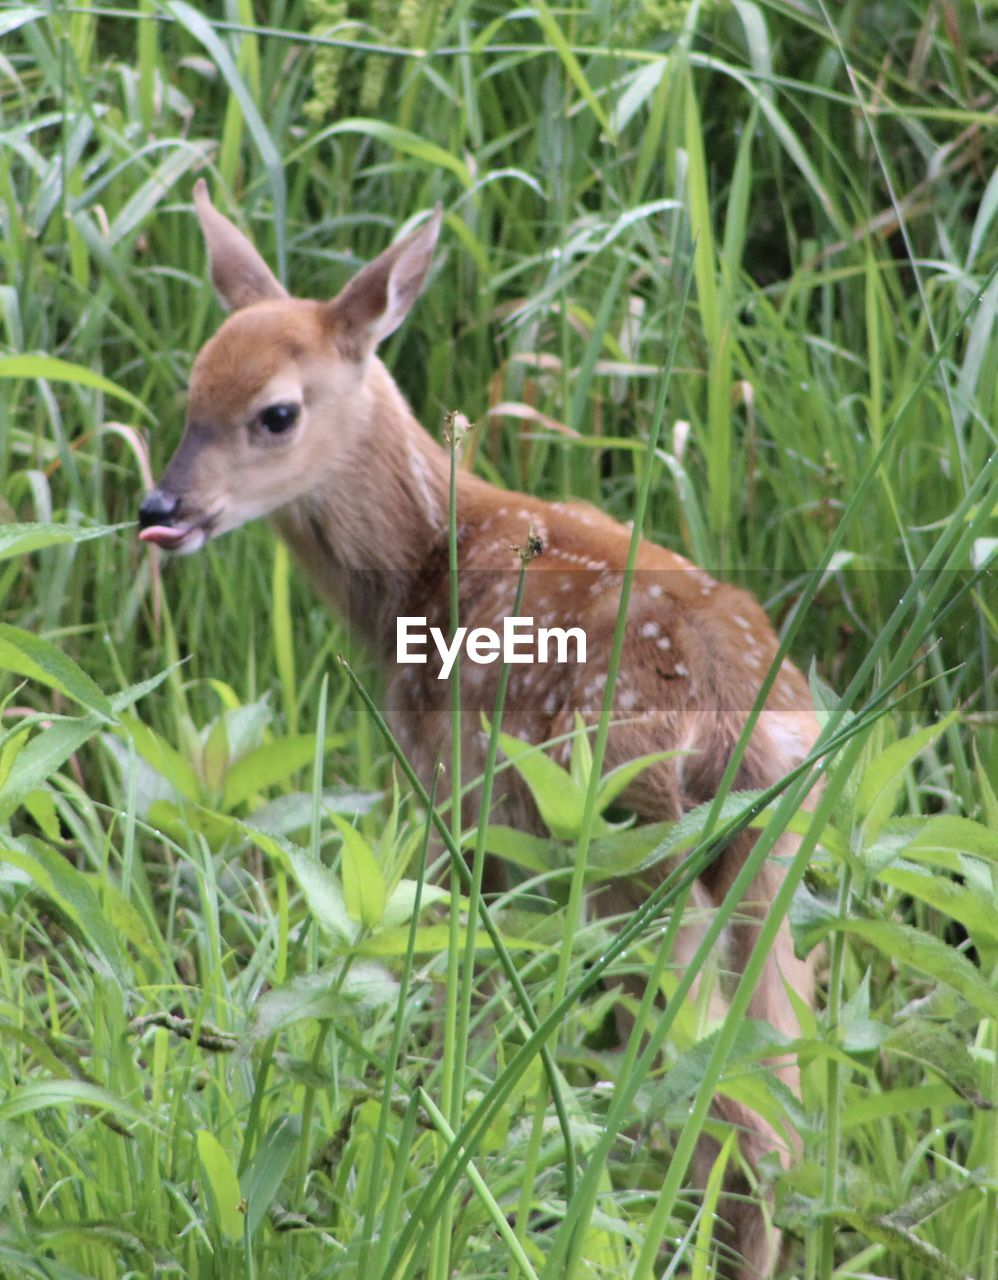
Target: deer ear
240	275
378	298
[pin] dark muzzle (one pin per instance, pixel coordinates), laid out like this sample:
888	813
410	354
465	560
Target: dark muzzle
157	508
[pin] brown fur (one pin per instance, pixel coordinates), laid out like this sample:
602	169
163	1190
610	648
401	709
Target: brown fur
358	490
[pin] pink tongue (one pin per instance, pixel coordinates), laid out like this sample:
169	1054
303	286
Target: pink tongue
162	535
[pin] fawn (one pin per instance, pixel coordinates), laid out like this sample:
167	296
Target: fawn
293	416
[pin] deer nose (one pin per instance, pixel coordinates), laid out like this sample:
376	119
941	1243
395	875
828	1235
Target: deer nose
157	508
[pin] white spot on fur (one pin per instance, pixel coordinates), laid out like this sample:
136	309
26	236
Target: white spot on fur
665	643
649	630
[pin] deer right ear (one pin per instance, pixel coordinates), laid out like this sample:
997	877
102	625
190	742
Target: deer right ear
240	275
378	298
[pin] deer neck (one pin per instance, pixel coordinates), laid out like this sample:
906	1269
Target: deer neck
372	534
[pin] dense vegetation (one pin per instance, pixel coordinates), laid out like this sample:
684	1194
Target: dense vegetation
225	1047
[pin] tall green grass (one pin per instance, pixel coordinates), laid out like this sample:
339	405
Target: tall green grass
226	1043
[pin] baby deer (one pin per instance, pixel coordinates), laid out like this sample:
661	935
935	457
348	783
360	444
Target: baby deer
293	416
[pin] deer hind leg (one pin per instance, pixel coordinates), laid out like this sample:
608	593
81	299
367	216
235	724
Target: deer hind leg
747	1240
782	970
749	1244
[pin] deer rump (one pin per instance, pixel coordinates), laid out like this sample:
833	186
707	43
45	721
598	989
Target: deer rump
292	416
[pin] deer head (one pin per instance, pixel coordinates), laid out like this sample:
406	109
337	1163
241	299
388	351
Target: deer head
281	397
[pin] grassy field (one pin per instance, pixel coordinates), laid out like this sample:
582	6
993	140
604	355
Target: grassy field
225	1044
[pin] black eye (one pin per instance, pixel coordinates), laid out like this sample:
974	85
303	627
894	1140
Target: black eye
279	417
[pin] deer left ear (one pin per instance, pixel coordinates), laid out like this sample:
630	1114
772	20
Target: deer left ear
379	297
240	275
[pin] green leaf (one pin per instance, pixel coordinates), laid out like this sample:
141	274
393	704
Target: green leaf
624	852
244	723
39	1095
53	370
123	916
977	914
201	29
293	811
10	748
549	25
951	833
537	854
43	755
559	799
282	630
226	1196
329	993
810	920
127	697
863	1111
18	17
640	86
711	1195
900	1240
215	757
682	835
20	539
988	797
363	881
37	659
178	820
434	939
883	778
142	203
41	805
165	759
922	951
312	995
17	1148
938	1049
402	901
860	1033
755	1039
69	889
617	780
581	763
320	887
262	1180
267	765
412	144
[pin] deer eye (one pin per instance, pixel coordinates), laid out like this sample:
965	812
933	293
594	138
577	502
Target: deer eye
279	417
